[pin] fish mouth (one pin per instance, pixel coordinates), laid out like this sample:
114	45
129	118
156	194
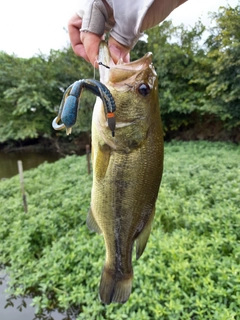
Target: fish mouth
139	64
115	73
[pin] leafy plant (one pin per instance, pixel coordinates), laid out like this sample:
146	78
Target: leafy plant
189	270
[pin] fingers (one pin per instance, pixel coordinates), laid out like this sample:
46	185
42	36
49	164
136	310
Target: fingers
86	33
118	51
86	44
97	18
91	42
74	25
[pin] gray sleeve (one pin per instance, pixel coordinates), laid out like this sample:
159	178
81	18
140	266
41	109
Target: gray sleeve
128	16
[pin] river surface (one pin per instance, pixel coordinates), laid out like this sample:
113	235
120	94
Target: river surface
12	313
9	168
8	161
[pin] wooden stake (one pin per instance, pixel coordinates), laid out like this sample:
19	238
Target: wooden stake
88	158
20	170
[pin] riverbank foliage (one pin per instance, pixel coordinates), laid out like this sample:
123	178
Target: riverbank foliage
198	73
189	270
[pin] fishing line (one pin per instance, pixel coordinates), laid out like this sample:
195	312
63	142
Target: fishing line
101	64
94	71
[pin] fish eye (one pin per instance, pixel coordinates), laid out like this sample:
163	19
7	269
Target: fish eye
144	89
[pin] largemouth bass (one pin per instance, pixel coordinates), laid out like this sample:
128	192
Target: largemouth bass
127	169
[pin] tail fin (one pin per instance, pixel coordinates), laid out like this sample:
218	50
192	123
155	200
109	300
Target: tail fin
115	287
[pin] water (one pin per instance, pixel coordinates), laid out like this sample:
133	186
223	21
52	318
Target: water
12	313
8	161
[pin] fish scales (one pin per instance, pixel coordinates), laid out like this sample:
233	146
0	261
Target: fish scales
127	170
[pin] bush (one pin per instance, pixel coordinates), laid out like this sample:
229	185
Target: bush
189	270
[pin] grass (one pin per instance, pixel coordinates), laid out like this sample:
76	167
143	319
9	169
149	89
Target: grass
189	270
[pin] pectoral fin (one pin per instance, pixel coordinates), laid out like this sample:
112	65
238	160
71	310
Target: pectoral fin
91	223
142	239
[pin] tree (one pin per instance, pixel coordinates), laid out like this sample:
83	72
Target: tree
224	50
31	91
196	80
177	58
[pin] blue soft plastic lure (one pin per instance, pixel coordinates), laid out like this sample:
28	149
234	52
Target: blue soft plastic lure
69	105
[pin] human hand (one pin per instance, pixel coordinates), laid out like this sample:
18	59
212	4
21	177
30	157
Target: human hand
86	44
126	21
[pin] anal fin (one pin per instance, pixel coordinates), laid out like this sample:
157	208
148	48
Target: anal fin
142	239
91	222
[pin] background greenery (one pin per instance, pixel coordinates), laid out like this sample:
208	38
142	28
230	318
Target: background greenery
189	270
199	83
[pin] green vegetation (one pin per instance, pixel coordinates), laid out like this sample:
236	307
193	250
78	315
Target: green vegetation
31	91
199	82
190	268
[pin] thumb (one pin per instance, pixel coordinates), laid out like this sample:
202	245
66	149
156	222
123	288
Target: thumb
118	51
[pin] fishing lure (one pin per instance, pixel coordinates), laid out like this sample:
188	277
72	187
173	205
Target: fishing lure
69	104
